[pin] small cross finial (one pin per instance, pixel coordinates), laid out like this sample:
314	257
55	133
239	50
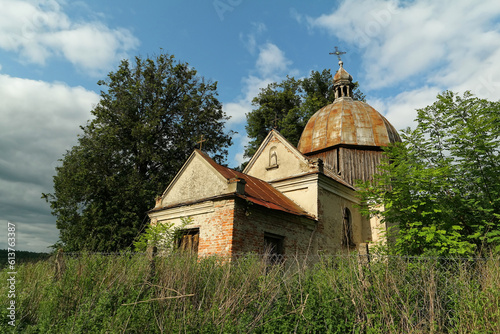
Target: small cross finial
201	141
338	53
275	121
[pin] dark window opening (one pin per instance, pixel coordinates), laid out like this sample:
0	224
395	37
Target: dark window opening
347	240
189	240
273	247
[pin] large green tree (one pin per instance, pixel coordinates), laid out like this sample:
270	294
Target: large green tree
288	105
149	118
441	188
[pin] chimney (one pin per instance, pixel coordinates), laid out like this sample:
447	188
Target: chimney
237	185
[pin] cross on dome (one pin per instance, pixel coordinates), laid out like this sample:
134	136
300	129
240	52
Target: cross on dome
338	53
342	80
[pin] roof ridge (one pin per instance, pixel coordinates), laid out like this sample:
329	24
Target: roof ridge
258	189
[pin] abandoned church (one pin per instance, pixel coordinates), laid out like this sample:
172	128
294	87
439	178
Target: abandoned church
288	200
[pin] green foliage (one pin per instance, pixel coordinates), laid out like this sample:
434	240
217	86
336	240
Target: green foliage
328	294
288	105
145	126
162	236
21	256
441	189
153	235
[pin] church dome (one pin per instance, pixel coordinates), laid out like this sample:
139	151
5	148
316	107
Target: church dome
346	122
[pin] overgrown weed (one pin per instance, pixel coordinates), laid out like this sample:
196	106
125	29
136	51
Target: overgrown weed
124	293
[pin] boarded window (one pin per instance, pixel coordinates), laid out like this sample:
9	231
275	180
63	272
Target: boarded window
189	240
273	247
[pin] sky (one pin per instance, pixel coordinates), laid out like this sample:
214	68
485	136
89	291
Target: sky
52	53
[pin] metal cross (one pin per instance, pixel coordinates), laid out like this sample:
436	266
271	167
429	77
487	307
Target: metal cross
337	53
275	121
201	141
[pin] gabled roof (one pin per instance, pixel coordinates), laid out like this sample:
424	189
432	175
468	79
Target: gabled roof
258	191
301	157
275	134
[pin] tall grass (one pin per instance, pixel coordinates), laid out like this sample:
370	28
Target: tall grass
182	294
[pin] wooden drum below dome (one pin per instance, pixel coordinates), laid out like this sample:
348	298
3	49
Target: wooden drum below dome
350	163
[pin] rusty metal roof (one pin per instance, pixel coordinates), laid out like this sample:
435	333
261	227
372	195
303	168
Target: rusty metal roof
341	74
347	122
258	191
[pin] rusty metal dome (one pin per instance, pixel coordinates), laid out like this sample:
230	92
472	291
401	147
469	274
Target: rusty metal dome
346	122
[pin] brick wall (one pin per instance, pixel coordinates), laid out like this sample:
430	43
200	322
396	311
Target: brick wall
216	229
234	226
253	221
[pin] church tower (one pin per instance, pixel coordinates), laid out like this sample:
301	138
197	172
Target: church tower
347	135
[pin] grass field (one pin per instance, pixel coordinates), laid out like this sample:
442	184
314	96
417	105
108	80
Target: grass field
127	293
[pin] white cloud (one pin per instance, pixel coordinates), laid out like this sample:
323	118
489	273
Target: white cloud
240	107
271	66
40	121
294	14
39	32
401	109
76	43
243	141
253	84
419	49
237	110
49	111
271	60
439	42
250	39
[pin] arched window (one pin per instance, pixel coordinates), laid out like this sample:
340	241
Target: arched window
347	240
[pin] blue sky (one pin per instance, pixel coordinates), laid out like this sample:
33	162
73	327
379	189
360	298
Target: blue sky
53	52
